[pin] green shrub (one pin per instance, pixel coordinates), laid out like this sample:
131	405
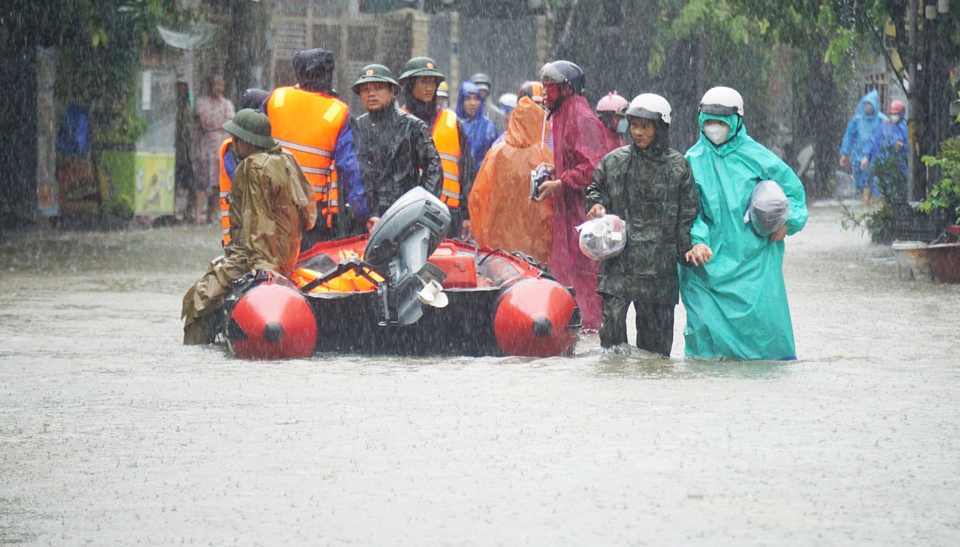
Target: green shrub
945	196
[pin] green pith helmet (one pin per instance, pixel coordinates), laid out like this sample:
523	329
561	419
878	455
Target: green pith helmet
251	126
376	73
421	66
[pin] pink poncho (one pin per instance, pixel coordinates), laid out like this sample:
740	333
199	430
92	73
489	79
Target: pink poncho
580	142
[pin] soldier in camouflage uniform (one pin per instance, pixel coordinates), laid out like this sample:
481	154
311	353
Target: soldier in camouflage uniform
650	186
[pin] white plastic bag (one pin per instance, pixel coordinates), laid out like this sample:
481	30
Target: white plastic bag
603	237
769	208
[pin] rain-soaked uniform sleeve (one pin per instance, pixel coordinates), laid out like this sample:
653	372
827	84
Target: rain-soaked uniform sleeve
688	209
597	191
348	171
428	161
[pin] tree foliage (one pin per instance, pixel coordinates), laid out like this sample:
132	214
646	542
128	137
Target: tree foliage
98	66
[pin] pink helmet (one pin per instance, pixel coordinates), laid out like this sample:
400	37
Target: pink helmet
611	103
896	107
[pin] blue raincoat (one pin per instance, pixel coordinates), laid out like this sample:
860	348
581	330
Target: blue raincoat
883	140
859	131
737	303
480	130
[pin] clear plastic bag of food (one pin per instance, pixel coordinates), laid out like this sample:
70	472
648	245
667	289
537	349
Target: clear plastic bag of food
603	237
769	208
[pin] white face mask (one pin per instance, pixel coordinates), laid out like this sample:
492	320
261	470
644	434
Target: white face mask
717	132
894	118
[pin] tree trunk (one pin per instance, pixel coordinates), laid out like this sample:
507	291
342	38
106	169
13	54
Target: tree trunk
18	125
822	105
247	58
930	97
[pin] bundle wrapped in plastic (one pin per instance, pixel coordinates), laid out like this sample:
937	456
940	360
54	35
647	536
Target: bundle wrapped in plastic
769	208
603	237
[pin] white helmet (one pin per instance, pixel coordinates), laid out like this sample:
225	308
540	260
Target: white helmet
722	101
650	106
509	100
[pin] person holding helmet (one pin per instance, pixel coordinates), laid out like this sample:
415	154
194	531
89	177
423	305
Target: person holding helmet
650	186
493	112
311	123
420	81
394	148
733	288
443	94
580	142
271	205
608	110
890	138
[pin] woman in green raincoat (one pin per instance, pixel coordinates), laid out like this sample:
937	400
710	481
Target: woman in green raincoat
736	301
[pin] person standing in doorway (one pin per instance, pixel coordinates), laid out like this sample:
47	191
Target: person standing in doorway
212	110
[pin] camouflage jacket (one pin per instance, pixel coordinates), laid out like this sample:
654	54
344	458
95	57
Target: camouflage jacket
271	205
653	191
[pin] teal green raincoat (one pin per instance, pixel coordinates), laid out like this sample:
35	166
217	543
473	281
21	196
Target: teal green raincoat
737	303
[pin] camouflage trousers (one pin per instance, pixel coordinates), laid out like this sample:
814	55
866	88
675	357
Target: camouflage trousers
654	324
205	298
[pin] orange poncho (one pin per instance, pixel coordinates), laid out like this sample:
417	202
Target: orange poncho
502	215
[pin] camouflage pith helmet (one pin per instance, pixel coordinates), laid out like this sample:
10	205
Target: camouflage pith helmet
375	73
421	66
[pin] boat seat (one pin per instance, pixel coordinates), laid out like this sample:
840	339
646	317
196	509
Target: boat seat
460	268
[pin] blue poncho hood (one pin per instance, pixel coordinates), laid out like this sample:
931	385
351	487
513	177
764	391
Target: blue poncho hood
467	87
480	130
861	127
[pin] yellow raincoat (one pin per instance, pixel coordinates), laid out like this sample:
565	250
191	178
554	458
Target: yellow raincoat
502	214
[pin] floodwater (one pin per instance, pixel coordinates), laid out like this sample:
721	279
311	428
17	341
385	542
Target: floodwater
111	432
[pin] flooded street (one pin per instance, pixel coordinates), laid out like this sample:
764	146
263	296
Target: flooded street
111	432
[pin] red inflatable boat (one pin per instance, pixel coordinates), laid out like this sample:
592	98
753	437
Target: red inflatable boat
403	291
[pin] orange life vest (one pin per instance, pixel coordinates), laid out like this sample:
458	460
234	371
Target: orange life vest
307	125
225	184
446	138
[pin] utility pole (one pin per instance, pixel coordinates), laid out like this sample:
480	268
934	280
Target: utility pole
913	145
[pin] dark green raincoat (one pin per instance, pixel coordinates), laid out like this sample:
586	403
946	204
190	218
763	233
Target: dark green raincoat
653	191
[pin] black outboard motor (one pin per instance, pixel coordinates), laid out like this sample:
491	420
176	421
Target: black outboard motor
407	234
